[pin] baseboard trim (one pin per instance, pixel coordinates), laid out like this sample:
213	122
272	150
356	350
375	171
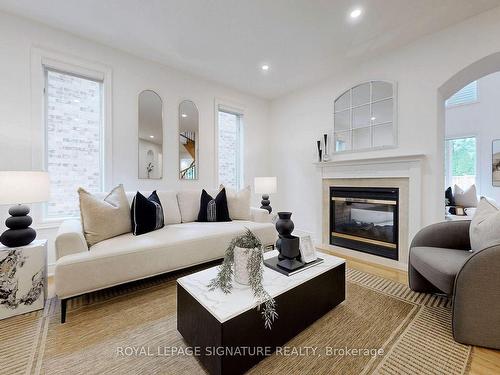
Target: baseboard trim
369	259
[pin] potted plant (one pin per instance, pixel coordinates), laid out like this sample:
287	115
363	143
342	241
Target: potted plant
244	259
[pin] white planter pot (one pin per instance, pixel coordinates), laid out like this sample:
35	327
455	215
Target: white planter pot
241	258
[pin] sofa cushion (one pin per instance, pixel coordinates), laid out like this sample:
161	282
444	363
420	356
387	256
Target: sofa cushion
467	198
448	195
213	209
485	225
189	204
168	199
128	257
170	206
104	218
147	214
238	203
439	265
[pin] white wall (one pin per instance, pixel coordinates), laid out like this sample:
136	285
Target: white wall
144	147
419	69
131	75
482	120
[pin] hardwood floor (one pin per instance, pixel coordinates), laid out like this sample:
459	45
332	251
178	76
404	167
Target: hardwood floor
484	361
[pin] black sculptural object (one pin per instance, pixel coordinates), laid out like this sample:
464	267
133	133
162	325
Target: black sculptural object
266	203
21	187
19	232
319	150
326	156
287	244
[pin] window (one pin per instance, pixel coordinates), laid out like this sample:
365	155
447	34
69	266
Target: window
466	95
460	162
364	117
230	147
74	128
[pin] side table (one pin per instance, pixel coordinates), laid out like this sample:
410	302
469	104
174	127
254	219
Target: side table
23	278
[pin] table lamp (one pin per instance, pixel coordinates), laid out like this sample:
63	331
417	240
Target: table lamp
19	187
265	186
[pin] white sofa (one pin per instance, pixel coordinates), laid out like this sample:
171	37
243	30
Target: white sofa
182	243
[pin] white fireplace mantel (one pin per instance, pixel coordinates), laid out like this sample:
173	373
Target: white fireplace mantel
380	167
371	161
401	166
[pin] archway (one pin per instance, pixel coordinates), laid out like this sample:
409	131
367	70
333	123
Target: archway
473	72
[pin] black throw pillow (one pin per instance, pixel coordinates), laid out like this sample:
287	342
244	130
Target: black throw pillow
448	194
213	209
146	213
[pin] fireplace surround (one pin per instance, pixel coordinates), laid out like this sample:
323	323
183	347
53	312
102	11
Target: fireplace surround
401	171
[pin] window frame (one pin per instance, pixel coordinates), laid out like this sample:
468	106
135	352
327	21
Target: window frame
236	109
447	174
48	69
41	60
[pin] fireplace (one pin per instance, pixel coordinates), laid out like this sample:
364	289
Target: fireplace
365	219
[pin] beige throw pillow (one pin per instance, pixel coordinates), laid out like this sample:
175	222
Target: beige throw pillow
467	198
485	225
104	218
238	203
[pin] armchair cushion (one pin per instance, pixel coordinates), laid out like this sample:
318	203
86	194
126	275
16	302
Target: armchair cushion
485	225
439	265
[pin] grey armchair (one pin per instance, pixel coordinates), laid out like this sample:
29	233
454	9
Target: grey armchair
441	262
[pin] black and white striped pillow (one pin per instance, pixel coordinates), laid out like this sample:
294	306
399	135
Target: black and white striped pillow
146	213
213	209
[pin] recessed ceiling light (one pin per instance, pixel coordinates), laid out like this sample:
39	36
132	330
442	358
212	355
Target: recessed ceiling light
265	67
151	136
356	13
373	118
184	115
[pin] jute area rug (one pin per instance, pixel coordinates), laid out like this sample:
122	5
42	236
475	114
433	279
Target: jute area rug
382	327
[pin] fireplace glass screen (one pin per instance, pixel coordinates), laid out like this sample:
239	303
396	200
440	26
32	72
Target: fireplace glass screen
365	219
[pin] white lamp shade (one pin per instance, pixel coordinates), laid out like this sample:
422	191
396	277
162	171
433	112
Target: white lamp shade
265	185
23	187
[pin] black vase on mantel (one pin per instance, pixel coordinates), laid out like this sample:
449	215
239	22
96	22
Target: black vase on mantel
326	156
287	244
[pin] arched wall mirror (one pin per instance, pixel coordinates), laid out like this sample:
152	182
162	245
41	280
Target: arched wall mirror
188	140
150	135
365	117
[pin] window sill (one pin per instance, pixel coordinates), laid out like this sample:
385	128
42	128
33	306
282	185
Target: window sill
52	223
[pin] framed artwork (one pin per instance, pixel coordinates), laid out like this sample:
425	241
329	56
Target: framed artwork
496	162
307	250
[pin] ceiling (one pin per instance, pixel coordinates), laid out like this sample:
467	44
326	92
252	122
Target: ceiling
227	41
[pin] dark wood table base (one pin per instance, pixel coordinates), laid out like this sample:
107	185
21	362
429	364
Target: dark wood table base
245	335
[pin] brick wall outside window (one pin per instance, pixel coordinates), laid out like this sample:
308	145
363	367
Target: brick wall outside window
229	149
74	127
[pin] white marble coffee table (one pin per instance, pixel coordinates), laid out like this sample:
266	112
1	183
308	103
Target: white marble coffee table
209	319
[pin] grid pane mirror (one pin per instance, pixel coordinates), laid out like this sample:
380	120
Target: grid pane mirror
364	117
